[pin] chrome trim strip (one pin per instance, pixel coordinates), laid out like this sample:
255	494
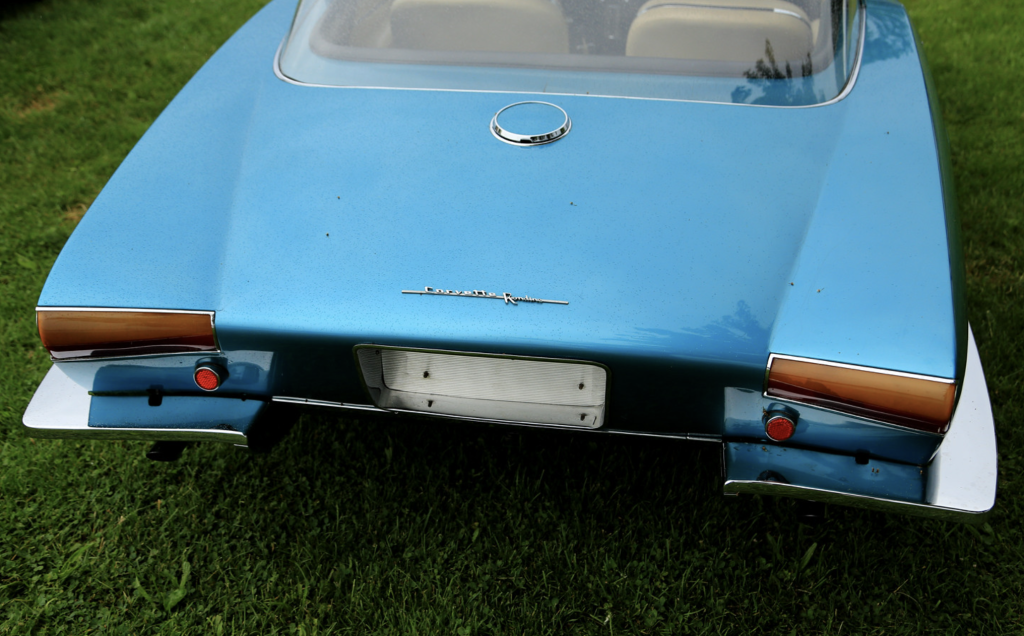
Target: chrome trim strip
697	437
60	409
141	356
467	418
129	310
690	437
850	81
680	436
334	405
374	409
739	486
143	434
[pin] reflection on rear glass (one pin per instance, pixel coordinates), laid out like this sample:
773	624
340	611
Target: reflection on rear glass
749	44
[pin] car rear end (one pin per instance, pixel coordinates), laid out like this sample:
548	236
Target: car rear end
765	274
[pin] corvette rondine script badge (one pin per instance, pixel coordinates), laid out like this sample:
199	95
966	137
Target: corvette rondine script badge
479	293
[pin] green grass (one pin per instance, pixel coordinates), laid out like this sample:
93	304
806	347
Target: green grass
375	526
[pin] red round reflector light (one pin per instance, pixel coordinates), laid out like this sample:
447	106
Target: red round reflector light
207	379
779	428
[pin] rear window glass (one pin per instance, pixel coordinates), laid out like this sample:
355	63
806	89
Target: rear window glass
770	52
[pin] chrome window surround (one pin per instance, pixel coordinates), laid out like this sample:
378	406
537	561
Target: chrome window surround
847	88
213	325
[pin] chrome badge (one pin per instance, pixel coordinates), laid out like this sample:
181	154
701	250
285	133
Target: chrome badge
479	293
542	117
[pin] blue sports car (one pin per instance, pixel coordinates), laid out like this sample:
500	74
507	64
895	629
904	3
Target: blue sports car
727	221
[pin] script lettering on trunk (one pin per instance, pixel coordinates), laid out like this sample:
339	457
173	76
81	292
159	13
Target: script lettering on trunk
480	293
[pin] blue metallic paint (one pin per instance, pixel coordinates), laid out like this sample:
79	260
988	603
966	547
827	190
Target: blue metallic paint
249	372
818	428
204	412
674	229
871	285
824	471
957	272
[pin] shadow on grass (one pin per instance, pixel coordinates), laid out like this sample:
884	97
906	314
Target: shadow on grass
437	526
13	8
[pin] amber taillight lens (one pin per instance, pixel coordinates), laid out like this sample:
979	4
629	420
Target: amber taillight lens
917	402
103	333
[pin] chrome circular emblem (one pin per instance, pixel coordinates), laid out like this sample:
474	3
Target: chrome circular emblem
525	115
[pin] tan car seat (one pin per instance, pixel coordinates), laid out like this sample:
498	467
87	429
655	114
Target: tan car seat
722	30
517	26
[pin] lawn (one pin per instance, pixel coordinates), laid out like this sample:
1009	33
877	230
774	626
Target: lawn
375	526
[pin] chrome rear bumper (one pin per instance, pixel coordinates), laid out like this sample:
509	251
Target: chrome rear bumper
960	482
60	408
